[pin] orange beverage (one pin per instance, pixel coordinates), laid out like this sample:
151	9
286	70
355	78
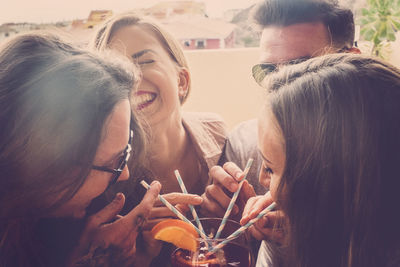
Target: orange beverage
235	253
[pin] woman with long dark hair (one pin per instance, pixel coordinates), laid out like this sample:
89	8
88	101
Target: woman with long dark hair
329	137
65	137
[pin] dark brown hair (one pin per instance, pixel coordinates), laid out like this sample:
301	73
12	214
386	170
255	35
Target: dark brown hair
340	119
54	101
339	21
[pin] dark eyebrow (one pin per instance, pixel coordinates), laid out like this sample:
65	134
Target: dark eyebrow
264	158
141	53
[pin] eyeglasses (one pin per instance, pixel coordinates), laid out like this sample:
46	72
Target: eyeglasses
121	163
260	71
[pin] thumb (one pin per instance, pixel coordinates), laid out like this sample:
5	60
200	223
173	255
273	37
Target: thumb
248	191
109	212
141	212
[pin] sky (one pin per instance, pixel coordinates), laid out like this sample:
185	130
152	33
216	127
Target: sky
44	11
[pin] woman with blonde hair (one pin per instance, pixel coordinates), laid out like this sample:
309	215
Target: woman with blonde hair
189	142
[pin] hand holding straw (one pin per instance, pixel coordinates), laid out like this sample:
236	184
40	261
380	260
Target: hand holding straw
174	210
243	228
192	209
232	202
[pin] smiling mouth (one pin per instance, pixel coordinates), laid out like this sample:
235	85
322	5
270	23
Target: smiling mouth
143	99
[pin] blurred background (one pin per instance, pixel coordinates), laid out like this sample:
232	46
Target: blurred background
219	40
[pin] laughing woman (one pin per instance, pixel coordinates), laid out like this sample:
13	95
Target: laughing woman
65	138
188	142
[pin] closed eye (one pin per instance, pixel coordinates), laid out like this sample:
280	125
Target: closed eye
268	170
145	62
140	57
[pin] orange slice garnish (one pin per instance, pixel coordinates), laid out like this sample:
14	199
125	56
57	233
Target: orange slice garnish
180	233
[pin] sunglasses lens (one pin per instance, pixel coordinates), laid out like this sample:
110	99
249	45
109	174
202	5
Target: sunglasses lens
261	70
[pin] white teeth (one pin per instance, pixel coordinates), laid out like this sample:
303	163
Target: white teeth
143	98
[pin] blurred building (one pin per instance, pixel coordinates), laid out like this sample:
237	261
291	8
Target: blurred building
165	10
188	22
201	32
81	30
10	29
96	17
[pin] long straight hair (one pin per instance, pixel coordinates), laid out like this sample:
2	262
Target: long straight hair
340	118
55	100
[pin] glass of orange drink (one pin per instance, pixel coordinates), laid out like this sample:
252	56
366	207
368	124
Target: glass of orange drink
236	253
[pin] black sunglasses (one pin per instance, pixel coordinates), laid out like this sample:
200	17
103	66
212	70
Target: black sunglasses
260	71
121	163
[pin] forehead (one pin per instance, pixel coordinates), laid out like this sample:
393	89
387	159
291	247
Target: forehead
115	131
268	127
135	38
283	43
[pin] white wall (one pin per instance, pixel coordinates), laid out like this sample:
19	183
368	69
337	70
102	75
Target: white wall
222	83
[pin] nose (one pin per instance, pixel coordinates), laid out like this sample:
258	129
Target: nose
125	174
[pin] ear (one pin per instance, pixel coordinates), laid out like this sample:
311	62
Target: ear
183	82
354	50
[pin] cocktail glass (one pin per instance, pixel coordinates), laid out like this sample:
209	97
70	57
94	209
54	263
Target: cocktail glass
236	253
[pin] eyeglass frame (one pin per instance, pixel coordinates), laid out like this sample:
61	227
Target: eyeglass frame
259	73
261	70
121	165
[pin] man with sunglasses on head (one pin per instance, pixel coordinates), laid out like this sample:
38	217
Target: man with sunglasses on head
292	31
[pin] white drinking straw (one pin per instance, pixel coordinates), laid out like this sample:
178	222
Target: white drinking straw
232	202
242	229
174	210
192	209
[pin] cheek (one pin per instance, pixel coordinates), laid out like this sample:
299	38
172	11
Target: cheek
274	186
92	188
264	179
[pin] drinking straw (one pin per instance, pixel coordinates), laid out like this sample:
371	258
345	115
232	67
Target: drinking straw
174	210
243	228
192	209
232	202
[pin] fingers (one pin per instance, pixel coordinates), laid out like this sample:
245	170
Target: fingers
233	170
214	192
215	202
180	198
108	213
123	232
263	229
254	232
160	212
222	177
141	212
247	209
247	190
245	194
211	208
254	206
